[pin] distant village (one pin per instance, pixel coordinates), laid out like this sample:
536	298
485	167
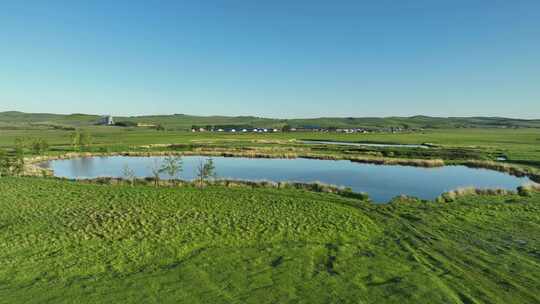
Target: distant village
234	129
273	130
109	121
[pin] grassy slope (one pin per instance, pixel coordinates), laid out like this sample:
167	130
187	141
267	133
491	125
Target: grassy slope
68	242
181	121
13	117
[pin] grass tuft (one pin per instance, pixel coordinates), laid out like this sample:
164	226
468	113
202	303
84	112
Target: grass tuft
451	196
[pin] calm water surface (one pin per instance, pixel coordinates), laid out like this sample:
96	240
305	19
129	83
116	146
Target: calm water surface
382	182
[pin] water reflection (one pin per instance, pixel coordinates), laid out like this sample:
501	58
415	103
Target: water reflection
382	182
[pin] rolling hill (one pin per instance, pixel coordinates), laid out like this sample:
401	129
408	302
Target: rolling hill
182	121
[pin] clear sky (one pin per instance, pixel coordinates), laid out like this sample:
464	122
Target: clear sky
294	58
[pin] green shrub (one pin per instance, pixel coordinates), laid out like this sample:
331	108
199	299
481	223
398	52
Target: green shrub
125	124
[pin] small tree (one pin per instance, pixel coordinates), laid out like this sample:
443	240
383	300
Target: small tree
205	171
85	139
172	166
76	139
286	128
4	164
39	146
22	145
160	127
80	139
17	166
155	168
11	165
129	174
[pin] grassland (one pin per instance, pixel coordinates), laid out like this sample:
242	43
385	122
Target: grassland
64	242
519	146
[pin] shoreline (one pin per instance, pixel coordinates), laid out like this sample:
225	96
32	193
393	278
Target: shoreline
315	187
32	168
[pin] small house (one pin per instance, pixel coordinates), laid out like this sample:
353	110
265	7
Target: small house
106	121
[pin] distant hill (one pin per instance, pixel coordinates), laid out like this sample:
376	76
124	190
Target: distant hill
182	121
14	117
422	122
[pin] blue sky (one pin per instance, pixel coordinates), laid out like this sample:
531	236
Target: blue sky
272	58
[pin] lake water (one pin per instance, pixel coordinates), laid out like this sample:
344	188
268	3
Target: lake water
381	182
358	144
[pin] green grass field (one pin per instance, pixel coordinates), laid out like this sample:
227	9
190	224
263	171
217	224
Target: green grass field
63	242
68	242
521	146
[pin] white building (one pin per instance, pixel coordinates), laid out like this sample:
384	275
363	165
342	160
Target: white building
106	120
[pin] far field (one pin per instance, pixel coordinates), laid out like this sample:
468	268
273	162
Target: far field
518	145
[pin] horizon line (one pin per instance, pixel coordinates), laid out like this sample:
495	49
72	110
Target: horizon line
276	118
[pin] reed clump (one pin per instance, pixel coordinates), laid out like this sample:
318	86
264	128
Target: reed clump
528	190
311	187
427	163
514	170
451	196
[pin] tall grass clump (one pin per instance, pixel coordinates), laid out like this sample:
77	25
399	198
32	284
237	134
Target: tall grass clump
324	188
451	196
404	199
427	163
527	190
514	170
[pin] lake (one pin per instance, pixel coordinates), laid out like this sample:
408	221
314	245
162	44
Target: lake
381	182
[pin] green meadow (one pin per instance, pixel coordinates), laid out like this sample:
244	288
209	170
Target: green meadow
68	242
64	242
270	152
523	142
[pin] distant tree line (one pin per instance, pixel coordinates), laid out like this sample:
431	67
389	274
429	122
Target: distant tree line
125	124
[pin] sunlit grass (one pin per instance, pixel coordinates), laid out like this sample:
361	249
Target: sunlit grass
65	242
